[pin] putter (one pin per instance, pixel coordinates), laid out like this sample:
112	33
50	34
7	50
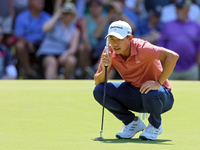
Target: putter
104	94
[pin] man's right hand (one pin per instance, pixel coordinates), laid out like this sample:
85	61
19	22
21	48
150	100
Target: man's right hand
99	76
106	60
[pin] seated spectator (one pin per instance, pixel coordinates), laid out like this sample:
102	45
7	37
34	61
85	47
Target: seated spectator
149	28
182	36
169	11
6	17
89	44
29	34
7	68
60	43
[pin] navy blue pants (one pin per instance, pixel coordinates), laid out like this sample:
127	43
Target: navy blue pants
123	98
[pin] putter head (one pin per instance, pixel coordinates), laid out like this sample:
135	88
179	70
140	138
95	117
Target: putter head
99	139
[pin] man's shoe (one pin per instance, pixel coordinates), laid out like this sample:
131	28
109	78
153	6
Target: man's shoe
128	131
151	133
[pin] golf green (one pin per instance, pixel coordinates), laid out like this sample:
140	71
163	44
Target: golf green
62	114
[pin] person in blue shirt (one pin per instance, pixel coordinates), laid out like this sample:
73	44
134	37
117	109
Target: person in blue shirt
29	34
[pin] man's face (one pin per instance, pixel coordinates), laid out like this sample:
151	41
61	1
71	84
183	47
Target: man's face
37	4
182	13
120	46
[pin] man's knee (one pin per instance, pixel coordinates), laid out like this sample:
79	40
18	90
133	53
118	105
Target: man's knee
20	45
72	60
152	102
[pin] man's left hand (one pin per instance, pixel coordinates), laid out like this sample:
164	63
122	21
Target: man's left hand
149	85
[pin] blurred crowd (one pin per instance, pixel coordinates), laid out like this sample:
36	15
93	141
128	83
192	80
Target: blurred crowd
64	39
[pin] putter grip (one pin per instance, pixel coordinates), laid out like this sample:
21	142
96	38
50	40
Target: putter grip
107	47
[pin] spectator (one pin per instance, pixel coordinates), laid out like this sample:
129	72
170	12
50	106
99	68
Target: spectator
28	30
6	17
89	46
169	12
182	36
60	44
149	28
7	68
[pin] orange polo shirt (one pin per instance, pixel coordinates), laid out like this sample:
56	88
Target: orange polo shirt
142	65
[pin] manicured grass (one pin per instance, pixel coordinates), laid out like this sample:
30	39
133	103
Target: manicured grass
60	115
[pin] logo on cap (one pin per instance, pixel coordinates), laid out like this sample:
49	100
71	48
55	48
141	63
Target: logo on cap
116	27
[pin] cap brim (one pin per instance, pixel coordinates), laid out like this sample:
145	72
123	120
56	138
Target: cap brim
117	35
67	11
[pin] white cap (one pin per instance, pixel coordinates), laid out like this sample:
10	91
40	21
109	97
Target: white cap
119	29
68	7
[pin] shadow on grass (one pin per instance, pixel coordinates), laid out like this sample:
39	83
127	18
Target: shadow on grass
158	141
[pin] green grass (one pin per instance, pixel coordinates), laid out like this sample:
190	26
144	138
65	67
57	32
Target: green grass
60	115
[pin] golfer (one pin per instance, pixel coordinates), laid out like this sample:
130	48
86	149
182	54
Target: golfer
145	89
